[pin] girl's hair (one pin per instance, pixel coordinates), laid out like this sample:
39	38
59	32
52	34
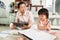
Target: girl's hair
43	11
20	4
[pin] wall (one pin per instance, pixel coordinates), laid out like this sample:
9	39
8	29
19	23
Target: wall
57	6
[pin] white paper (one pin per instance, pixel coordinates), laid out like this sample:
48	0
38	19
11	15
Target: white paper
10	32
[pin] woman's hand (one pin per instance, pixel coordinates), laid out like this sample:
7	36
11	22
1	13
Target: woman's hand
25	27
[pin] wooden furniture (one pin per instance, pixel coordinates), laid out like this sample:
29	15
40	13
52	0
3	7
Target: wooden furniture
29	4
26	1
36	6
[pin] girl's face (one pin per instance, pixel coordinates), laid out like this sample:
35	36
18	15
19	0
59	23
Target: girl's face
42	17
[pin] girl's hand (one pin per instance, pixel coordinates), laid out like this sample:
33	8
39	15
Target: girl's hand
48	28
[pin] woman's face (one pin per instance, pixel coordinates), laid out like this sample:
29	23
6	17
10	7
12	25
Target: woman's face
42	17
22	8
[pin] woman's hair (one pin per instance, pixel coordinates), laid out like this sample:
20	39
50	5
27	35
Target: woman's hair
43	11
20	4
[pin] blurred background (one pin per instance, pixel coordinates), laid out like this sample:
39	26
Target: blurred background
8	10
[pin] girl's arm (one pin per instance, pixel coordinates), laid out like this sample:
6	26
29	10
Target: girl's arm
48	27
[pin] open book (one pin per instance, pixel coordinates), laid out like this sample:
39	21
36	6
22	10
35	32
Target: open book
37	35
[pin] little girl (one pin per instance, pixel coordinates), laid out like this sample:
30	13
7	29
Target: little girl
43	22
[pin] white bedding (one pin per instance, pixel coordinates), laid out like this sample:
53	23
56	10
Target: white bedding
33	33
